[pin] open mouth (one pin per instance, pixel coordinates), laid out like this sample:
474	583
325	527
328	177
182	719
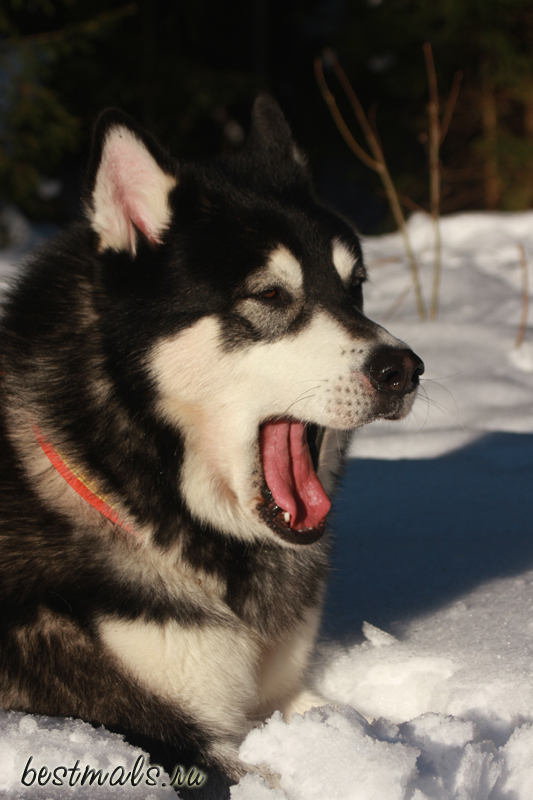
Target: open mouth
295	504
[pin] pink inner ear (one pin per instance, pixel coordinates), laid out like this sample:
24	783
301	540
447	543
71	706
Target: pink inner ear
134	212
131	189
136	209
135	177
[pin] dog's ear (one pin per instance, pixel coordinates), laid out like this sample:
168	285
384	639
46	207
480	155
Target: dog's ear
128	184
270	138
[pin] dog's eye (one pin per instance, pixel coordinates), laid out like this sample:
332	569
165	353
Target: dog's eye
269	294
274	295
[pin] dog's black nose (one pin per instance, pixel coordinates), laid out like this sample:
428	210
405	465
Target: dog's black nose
395	370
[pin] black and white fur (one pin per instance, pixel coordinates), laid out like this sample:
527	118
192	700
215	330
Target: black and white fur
149	344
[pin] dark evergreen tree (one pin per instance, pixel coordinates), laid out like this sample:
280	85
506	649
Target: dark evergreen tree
169	64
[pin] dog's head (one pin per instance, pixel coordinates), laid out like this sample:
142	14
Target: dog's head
241	297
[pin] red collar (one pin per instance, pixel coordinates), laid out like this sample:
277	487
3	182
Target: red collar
80	485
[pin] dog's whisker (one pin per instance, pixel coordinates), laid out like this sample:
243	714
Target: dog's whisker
432	401
300	399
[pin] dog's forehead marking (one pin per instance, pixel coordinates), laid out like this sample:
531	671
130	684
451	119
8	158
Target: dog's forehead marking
343	260
282	267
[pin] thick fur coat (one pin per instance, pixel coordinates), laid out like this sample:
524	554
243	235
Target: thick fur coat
179	370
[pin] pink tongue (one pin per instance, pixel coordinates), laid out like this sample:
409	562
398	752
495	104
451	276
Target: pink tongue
290	475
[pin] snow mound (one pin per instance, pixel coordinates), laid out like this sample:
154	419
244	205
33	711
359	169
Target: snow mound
471	659
332	752
329	752
59	759
449	710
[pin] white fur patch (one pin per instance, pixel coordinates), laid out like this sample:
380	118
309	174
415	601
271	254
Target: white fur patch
212	671
283	668
221	674
285	268
343	260
131	190
282	269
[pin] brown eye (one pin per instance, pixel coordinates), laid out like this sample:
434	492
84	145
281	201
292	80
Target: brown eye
269	294
274	296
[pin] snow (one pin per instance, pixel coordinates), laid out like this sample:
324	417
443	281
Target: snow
51	758
428	631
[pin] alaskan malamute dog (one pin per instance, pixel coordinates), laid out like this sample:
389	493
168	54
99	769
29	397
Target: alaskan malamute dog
178	372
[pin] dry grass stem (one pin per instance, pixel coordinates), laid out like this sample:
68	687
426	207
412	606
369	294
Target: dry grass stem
525	297
393	308
377	163
339	119
450	105
434	173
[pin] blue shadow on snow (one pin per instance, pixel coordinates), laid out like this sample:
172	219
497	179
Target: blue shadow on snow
413	535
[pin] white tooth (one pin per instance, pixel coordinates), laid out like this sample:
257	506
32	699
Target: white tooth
287	517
